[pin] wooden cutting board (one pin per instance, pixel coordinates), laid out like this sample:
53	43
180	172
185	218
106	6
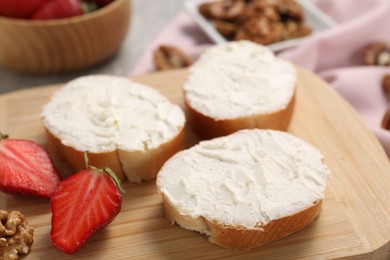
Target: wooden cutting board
354	222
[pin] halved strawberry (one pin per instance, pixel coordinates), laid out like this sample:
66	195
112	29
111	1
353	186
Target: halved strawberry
83	204
26	168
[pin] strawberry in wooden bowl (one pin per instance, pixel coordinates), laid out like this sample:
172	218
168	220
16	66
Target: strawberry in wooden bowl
56	36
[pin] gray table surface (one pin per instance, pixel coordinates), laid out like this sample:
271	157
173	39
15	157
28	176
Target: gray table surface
148	18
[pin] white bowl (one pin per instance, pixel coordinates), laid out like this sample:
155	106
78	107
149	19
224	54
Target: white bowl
314	17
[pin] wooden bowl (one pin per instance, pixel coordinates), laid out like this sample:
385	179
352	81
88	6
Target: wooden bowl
63	45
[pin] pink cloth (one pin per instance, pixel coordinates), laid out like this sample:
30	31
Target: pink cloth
335	54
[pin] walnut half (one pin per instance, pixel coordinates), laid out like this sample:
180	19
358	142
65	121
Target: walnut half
16	236
386	119
168	57
386	85
377	53
386	90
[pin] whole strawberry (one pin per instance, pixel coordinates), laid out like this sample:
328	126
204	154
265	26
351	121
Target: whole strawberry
56	9
20	8
26	169
83	204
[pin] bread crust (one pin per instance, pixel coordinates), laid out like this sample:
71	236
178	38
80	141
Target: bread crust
135	165
72	160
207	127
238	237
144	165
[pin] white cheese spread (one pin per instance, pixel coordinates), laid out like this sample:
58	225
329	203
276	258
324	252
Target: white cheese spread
245	179
103	113
239	79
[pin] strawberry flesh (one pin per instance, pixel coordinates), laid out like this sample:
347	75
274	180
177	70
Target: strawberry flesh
82	204
26	169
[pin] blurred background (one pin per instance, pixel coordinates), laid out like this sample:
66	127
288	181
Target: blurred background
148	17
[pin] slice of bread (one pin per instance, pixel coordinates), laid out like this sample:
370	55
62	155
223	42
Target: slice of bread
124	125
239	85
246	189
